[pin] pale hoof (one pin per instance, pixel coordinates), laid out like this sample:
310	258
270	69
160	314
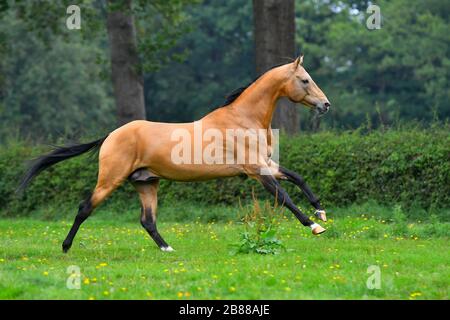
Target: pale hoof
167	249
318	230
320	214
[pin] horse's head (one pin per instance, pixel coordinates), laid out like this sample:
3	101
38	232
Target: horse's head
301	88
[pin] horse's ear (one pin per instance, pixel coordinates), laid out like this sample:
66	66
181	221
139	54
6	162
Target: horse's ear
298	61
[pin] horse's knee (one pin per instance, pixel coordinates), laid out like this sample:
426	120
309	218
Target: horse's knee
300	181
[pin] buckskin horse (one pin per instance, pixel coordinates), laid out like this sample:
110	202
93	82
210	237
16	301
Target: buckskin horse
142	151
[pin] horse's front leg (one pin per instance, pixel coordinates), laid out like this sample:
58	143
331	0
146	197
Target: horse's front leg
295	178
271	184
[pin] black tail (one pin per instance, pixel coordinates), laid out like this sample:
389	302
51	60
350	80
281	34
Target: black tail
59	154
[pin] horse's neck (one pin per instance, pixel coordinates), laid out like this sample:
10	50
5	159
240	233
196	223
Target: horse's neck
258	102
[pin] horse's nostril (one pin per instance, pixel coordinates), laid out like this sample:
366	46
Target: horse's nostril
327	105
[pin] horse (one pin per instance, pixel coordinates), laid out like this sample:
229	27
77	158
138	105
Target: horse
144	152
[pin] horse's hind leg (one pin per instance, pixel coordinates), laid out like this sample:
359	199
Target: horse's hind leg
109	178
84	212
148	194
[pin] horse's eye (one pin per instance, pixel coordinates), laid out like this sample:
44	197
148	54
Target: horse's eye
306	81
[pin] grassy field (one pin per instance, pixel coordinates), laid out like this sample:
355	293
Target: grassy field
117	260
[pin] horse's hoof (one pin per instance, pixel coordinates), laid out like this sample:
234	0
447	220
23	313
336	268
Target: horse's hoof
167	249
318	230
320	214
66	247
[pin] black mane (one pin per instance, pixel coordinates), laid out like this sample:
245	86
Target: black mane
234	95
237	92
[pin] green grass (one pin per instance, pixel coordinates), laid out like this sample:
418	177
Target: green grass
118	260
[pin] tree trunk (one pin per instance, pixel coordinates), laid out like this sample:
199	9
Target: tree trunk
315	122
126	76
274	28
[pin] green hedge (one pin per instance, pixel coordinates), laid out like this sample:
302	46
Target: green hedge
407	167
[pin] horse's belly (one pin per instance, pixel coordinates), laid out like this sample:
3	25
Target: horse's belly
193	172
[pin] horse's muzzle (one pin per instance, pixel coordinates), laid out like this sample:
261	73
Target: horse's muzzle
323	108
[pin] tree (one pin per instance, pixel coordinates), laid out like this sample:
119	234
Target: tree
147	30
220	60
126	73
274	29
54	91
397	72
141	34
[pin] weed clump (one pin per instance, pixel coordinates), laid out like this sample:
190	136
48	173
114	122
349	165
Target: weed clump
260	235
